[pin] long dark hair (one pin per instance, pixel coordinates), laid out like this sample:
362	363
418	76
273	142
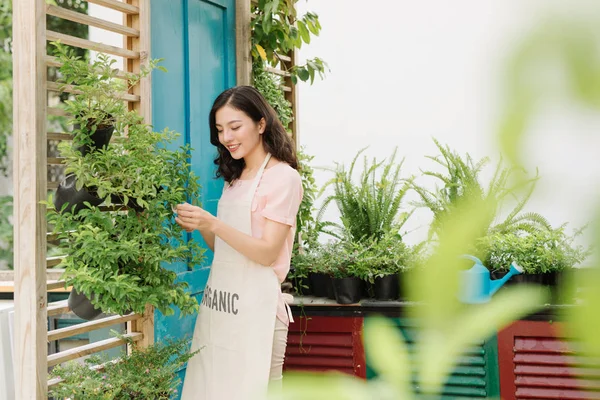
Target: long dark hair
275	138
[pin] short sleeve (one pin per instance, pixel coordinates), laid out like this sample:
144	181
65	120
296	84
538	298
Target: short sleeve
283	196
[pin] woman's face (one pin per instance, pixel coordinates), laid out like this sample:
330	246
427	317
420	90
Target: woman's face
238	132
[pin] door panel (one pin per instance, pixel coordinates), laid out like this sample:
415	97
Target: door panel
197	40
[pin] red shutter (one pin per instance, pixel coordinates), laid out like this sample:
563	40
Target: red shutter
537	362
326	343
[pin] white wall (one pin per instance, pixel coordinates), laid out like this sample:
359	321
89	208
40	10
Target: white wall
404	71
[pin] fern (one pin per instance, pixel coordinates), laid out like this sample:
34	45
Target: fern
370	208
461	180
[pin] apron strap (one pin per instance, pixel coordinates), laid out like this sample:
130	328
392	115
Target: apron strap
258	176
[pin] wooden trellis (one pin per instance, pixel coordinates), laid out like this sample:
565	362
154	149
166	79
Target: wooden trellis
31	165
31	185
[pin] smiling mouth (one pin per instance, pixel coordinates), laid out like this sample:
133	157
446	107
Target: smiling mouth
233	147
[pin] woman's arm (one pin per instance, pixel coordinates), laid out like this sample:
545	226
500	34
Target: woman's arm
263	251
209	238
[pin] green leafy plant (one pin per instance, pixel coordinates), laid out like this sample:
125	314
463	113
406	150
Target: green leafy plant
307	225
5	80
461	179
537	252
269	85
115	256
339	259
6	231
387	256
277	29
99	92
149	373
370	208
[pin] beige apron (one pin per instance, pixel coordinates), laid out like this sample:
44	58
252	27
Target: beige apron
235	325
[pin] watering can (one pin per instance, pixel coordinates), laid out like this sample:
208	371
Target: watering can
476	285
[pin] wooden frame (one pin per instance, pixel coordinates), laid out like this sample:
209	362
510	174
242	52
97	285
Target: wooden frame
31	282
29	166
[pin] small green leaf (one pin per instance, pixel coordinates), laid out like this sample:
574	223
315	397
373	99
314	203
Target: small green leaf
303	74
304	33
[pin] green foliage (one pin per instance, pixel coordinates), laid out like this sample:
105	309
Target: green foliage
5	80
340	259
387	256
461	180
337	258
149	373
115	258
98	100
371	207
268	85
306	223
537	252
276	30
6	230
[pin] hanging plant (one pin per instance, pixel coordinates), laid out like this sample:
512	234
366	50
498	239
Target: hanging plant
116	256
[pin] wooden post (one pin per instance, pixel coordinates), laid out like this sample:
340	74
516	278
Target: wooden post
29	135
243	43
292	97
141	22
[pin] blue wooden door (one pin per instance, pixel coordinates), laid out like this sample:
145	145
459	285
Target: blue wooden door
196	38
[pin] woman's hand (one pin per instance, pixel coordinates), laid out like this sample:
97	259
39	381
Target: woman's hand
191	217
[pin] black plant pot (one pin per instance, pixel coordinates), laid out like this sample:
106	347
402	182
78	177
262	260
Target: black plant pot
82	306
100	138
387	287
402	295
320	284
67	193
347	290
301	286
367	290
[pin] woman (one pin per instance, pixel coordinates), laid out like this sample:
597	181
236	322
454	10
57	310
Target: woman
242	325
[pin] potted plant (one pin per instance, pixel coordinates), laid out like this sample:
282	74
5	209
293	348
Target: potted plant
370	208
96	108
340	261
383	263
145	374
543	254
460	180
114	258
301	263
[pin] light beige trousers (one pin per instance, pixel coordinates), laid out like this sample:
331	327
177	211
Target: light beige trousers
278	355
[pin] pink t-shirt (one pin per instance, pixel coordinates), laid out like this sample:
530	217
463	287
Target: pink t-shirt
277	198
